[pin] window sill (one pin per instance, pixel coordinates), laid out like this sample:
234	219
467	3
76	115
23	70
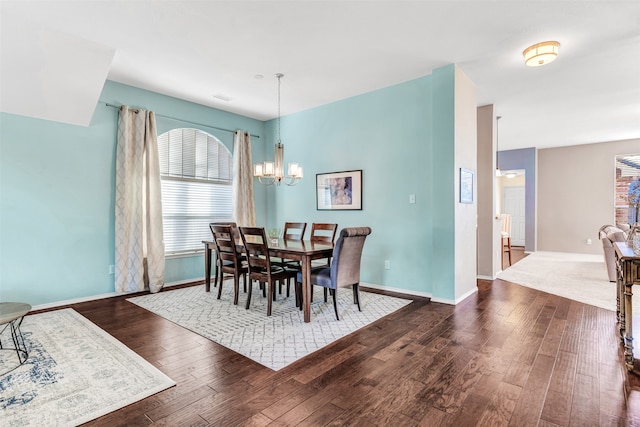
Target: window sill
190	254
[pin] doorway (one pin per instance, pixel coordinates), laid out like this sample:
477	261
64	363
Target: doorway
514	204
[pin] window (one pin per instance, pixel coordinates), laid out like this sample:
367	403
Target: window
627	188
196	175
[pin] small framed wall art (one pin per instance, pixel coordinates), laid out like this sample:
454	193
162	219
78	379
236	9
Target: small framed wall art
339	190
466	185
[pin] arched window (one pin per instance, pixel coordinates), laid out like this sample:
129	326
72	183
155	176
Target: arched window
196	175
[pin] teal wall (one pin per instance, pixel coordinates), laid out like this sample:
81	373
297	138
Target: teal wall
57	196
57	186
393	135
442	178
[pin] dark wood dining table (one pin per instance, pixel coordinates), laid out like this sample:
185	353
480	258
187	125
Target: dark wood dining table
304	251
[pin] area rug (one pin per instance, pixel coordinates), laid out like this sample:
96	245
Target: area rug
274	341
580	277
75	372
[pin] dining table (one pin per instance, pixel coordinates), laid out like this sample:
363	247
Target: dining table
304	251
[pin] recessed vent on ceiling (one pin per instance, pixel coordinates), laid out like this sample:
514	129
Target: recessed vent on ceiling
222	97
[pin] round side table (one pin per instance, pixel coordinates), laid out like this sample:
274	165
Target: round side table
11	315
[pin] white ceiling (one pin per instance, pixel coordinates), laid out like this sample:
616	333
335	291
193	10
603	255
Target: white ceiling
331	50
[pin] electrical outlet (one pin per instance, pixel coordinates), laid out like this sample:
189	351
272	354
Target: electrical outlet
412	198
112	269
387	264
588	241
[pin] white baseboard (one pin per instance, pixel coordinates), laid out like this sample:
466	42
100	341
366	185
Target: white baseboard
103	296
182	282
396	290
480	277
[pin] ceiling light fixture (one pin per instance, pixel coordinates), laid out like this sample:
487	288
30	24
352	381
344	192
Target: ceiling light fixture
270	173
541	53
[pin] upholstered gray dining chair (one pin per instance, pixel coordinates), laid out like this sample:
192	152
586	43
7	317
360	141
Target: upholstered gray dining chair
345	266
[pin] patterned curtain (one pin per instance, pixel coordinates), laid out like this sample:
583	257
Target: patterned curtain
244	211
139	257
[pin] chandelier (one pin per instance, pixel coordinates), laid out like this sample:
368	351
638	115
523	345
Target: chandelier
270	173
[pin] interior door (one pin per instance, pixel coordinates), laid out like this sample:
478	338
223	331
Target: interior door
514	204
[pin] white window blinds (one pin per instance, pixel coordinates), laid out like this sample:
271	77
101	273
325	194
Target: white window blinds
196	174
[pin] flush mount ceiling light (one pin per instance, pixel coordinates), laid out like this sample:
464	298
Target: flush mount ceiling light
541	53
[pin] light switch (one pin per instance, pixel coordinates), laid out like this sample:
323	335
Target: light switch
412	198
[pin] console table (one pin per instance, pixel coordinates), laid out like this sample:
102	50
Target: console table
628	274
11	315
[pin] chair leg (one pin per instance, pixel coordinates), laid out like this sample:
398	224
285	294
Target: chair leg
335	302
299	294
236	288
509	246
272	296
325	294
220	285
248	296
215	277
356	295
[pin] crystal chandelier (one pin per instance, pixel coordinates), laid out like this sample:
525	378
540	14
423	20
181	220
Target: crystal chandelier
270	173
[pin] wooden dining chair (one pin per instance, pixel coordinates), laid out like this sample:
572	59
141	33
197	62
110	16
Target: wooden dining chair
294	230
231	260
261	268
345	266
217	259
505	234
236	234
323	233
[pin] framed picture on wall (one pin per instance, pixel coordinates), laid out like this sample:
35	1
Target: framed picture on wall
339	190
466	185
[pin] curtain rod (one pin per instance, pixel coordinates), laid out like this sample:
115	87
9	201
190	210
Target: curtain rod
186	121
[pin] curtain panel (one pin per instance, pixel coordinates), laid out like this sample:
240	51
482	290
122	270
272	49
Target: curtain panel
139	247
244	211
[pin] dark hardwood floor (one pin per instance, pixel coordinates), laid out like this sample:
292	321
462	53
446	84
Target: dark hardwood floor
508	355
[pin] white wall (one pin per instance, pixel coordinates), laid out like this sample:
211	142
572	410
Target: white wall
466	146
488	240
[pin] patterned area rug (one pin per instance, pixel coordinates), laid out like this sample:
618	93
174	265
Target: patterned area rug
75	372
274	341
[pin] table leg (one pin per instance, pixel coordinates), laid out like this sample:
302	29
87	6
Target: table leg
620	305
306	288
18	341
628	338
207	267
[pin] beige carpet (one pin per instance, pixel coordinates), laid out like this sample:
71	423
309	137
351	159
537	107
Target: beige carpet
580	277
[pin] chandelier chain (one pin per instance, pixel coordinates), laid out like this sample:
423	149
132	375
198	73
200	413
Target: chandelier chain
279	76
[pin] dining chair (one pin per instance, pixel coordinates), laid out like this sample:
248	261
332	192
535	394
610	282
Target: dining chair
236	234
505	234
323	233
292	231
231	260
345	266
261	268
